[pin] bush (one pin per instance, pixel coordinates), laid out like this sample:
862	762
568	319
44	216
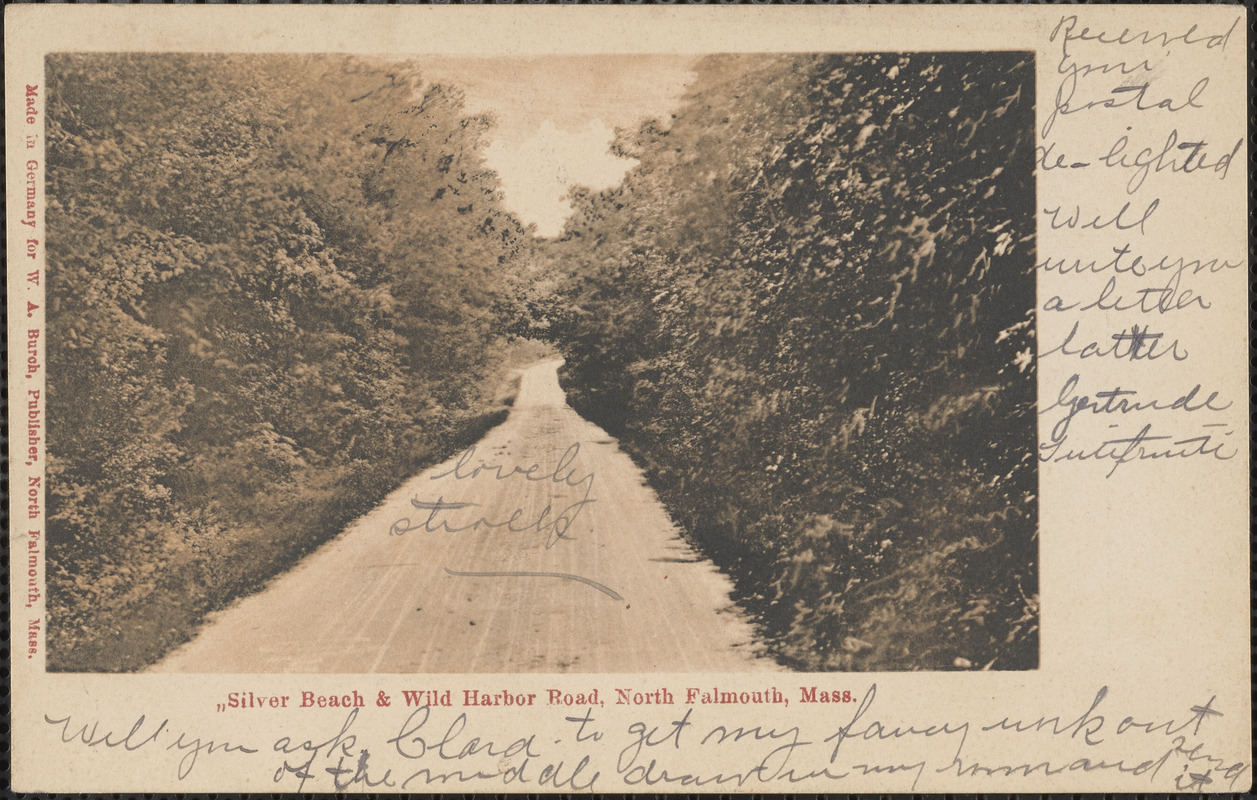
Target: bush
808	311
269	302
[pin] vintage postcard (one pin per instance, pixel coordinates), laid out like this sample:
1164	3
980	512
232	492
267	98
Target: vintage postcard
574	399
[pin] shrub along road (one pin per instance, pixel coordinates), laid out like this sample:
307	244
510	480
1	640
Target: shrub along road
463	569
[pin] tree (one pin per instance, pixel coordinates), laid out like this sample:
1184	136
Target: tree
272	288
808	310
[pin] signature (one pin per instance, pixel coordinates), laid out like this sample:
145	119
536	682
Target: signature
1123	401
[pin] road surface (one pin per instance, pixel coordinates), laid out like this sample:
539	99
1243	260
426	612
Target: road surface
463	569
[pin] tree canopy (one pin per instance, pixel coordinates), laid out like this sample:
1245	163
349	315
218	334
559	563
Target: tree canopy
275	285
278	285
808	310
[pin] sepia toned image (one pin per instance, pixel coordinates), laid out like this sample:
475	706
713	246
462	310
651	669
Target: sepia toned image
551	364
569	399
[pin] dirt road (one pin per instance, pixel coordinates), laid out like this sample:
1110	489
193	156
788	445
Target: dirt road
487	563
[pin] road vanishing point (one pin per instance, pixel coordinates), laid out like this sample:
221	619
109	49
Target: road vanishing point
488	564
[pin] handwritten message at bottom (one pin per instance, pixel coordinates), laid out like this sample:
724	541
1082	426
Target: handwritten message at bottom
684	736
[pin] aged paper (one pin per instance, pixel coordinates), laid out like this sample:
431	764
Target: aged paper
180	214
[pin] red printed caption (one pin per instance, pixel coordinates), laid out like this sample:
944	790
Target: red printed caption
471	698
28	216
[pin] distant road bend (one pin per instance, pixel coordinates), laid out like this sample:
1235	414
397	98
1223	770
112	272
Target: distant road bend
463	569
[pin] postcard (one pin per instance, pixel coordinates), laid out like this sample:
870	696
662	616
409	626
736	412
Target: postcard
664	399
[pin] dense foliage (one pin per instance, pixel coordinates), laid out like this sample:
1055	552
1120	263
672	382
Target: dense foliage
275	287
808	311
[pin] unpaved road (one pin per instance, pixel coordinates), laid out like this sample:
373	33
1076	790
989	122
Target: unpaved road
428	583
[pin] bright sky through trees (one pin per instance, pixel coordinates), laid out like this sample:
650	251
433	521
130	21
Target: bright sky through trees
556	116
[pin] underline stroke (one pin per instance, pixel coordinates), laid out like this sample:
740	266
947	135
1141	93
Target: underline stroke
604	589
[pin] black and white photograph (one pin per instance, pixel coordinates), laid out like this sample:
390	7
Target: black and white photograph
706	363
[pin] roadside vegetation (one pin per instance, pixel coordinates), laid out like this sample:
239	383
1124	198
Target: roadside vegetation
277	287
808	311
